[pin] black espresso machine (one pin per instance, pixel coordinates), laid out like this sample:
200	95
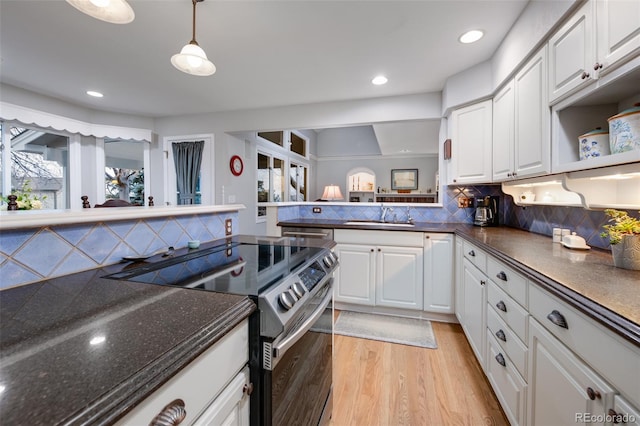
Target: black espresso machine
486	211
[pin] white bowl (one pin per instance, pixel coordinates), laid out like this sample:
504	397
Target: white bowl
193	244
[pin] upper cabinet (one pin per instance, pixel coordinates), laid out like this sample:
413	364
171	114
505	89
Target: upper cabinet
521	144
598	37
471	144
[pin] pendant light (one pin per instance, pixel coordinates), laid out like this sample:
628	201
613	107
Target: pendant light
113	11
192	58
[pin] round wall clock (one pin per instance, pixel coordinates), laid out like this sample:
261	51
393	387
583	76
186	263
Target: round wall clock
236	165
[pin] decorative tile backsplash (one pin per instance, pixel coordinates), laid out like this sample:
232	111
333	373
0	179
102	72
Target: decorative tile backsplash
538	219
28	255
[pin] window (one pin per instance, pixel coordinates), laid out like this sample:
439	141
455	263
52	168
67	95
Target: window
297	182
124	171
298	144
273	137
270	177
204	181
38	160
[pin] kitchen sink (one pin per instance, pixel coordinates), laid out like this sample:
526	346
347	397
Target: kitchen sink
378	223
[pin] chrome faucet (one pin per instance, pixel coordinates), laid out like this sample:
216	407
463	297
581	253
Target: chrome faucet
383	212
409	218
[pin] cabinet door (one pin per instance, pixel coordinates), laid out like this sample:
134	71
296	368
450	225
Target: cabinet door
618	30
438	273
471	143
503	133
355	280
475	309
572	53
459	293
532	118
399	277
231	407
562	389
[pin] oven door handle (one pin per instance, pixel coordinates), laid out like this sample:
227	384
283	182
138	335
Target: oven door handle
282	347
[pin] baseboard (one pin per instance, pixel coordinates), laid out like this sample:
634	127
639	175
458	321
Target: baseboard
382	310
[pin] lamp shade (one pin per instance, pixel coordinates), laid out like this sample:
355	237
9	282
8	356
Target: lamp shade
193	60
332	192
113	11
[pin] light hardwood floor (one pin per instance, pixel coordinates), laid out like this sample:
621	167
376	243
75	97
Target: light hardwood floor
385	384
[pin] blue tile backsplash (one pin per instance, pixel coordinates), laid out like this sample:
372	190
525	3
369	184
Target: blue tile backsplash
538	219
28	255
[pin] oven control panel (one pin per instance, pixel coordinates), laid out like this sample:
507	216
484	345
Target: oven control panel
312	275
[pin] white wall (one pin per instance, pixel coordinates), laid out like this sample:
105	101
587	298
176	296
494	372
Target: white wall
347	141
334	170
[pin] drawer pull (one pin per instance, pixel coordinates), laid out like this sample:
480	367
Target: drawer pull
558	319
472	253
501	360
615	417
500	335
171	415
482	282
500	305
501	275
593	394
247	388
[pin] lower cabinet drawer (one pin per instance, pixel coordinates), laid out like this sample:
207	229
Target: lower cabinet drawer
512	313
509	386
475	255
609	355
508	341
623	413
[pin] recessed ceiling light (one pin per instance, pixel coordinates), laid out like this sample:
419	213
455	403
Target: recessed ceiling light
471	36
379	80
94	94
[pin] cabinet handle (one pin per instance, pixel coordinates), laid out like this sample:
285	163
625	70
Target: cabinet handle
427	237
482	282
597	66
455	180
558	319
247	388
500	305
372	250
379	249
593	394
171	415
585	75
509	174
501	360
502	276
615	417
515	174
472	253
500	335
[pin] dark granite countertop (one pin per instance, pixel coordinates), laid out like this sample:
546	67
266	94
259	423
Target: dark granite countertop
586	279
81	349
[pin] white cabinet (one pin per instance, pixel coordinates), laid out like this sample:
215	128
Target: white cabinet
598	37
474	302
572	53
376	274
210	385
618	31
503	133
532	138
563	390
471	144
399	277
438	273
458	305
521	123
231	407
355	280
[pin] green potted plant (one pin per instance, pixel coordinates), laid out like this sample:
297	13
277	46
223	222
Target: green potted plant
623	232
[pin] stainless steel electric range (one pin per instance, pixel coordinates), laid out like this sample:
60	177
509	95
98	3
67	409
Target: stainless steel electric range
290	343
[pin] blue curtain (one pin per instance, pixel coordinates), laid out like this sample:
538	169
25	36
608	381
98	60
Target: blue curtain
187	157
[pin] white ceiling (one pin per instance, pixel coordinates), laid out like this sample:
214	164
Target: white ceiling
268	53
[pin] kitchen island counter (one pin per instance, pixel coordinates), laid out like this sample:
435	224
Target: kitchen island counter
82	349
586	279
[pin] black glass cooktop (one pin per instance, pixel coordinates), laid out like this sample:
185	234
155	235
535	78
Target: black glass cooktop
239	268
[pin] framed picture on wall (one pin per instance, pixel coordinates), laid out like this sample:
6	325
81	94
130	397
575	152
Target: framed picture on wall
404	179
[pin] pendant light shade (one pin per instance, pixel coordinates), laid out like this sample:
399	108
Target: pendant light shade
113	11
192	59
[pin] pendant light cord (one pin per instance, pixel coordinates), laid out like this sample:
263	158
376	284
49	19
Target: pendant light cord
193	38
